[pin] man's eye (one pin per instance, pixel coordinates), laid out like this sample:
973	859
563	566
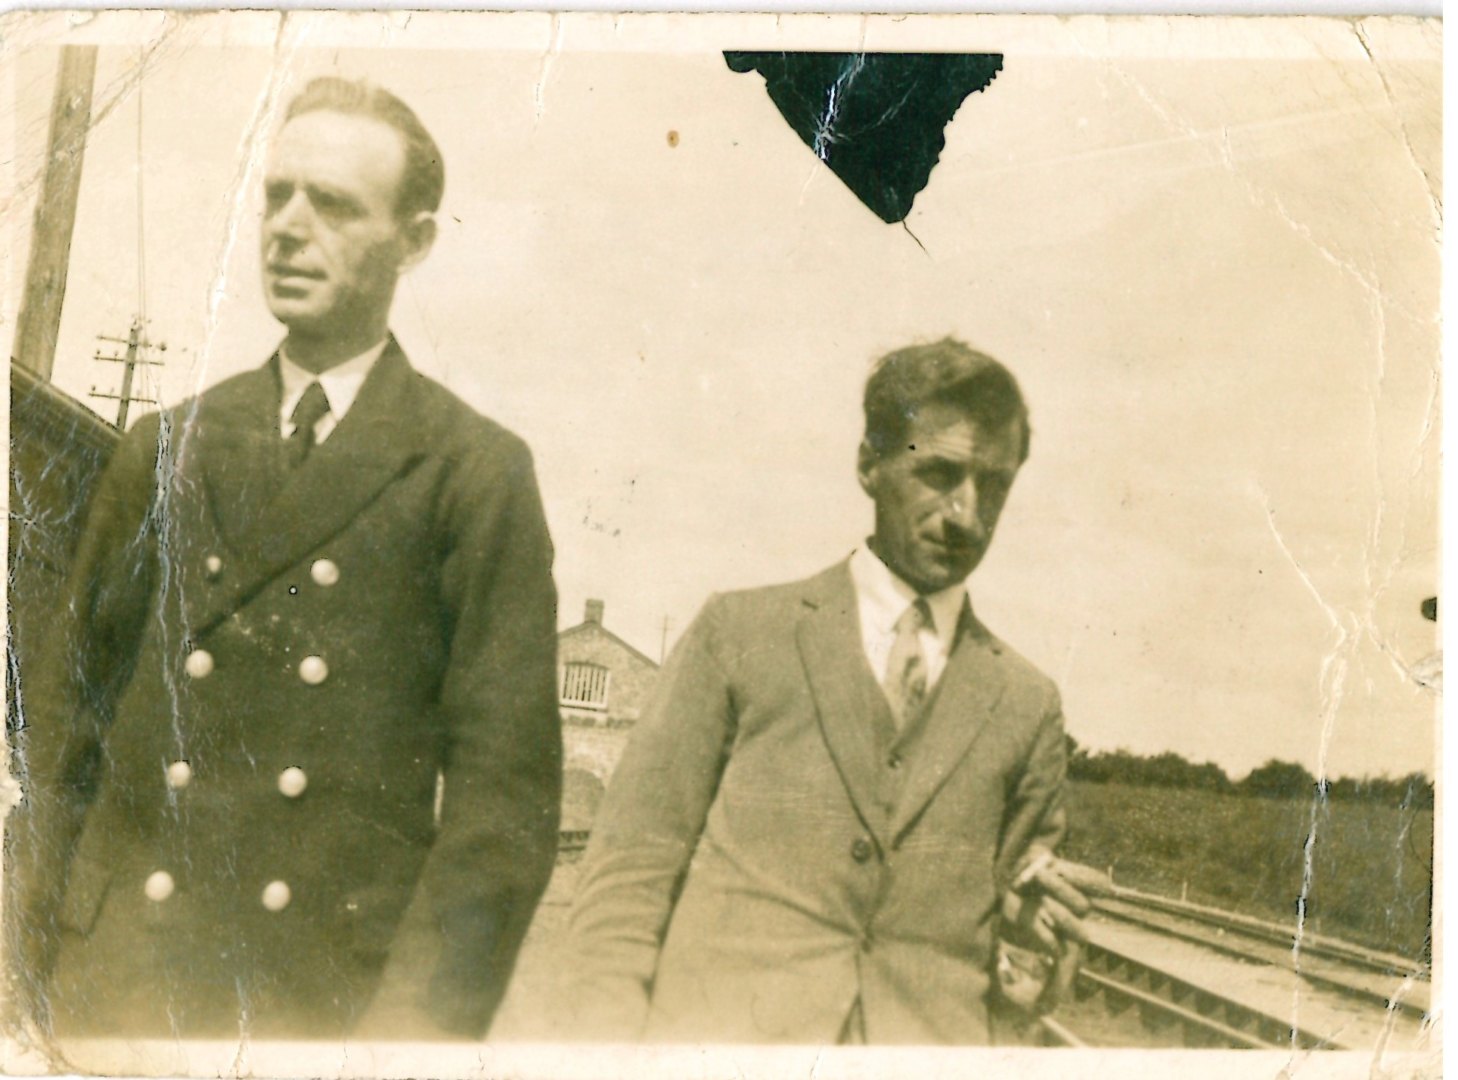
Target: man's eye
275	196
941	476
333	206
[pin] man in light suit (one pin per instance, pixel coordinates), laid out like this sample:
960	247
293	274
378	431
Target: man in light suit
302	600
845	788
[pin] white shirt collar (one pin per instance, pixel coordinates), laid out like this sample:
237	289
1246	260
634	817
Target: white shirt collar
341	385
883	598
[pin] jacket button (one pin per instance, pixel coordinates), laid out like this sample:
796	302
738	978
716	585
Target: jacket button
861	850
179	774
276	895
292	781
159	886
212	566
894	761
199	664
313	670
324	572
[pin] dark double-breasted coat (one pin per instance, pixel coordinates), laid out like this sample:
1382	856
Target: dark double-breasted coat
257	676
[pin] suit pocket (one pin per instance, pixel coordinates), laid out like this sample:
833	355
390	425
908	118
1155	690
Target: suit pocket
90	880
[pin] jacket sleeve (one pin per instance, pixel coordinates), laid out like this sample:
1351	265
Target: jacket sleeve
66	697
1036	816
643	837
497	843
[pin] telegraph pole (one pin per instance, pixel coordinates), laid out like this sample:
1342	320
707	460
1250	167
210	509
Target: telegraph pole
132	359
55	212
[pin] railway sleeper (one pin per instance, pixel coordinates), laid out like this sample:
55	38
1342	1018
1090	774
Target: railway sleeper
1163	1001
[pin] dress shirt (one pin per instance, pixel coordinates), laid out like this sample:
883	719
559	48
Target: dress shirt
883	598
341	385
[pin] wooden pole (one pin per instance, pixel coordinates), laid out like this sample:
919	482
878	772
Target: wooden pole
55	212
128	373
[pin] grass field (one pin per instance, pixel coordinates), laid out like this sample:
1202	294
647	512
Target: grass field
1370	865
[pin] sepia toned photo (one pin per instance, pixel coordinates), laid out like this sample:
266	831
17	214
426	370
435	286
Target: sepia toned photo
576	545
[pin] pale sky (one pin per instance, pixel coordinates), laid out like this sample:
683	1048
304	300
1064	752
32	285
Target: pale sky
1216	278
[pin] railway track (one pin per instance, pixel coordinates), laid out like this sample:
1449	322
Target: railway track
1162	972
1119	1001
1360	974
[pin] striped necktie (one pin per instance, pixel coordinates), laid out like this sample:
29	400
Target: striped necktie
905	684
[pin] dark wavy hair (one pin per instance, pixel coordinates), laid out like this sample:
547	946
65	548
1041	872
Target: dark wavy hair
905	381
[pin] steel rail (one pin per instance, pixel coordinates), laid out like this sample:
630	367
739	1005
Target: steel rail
1185	1018
1259	948
1099	886
1204	1018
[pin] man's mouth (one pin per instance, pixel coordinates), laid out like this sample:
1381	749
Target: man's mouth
951	549
284	273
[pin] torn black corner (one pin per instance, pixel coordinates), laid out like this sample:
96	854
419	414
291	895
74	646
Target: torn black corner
876	119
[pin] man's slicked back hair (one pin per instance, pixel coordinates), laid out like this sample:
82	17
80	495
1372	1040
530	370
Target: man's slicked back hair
905	381
423	181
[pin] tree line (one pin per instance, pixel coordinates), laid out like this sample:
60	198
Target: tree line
1273	780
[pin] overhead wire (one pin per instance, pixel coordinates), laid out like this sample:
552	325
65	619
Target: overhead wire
148	387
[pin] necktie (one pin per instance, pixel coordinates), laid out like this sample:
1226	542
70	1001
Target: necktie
309	411
906	668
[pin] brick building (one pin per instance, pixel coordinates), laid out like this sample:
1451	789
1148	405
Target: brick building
602	684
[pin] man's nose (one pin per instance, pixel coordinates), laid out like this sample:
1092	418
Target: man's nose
291	220
960	512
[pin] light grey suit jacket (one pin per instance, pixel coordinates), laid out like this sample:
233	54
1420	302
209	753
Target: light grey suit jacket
765	858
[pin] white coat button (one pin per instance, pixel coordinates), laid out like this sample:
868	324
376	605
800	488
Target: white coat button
276	895
313	670
324	572
292	781
159	886
213	566
199	663
179	774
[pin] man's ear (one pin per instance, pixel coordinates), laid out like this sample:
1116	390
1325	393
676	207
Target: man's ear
867	461
418	235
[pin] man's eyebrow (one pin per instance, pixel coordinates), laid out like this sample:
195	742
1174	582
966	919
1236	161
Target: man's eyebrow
944	446
330	192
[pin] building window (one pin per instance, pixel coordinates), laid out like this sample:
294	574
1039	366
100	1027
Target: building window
585	686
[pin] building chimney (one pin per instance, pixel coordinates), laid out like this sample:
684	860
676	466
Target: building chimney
594	611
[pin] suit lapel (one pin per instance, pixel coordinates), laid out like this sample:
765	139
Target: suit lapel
380	438
233	435
846	695
965	699
372	444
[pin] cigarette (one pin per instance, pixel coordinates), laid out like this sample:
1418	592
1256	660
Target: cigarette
1043	859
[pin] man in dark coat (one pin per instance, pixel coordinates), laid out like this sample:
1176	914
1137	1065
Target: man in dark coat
845	790
305	660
